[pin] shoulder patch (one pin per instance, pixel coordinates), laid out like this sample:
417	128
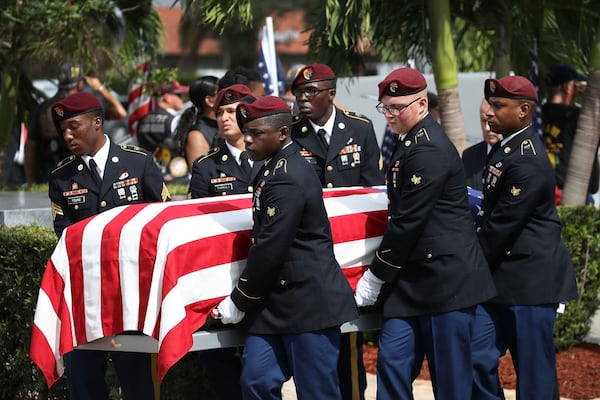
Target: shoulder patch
133	149
355	115
527	148
208	154
422	135
281	164
63	163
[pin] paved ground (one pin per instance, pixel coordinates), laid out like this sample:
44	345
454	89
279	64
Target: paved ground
421	390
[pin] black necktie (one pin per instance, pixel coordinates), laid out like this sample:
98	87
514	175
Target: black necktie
95	174
321	134
246	168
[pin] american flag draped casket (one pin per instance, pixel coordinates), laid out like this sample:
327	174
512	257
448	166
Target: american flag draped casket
160	268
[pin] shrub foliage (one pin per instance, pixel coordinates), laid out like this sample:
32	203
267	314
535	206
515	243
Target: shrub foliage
581	234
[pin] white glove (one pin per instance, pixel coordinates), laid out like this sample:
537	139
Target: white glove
367	289
227	312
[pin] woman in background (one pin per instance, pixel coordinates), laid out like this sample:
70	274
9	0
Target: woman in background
198	127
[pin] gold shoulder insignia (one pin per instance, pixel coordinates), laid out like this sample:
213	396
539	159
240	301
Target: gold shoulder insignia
133	149
355	115
421	134
56	210
282	163
208	154
164	194
527	147
63	163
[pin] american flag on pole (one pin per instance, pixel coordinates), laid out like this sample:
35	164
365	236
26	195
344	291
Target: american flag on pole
269	66
139	99
160	268
534	77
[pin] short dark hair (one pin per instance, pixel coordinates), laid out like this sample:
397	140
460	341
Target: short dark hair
252	74
232	78
280	120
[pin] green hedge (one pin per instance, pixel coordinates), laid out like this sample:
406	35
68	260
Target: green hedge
581	234
25	250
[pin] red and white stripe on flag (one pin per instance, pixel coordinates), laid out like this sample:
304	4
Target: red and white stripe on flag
139	100
160	268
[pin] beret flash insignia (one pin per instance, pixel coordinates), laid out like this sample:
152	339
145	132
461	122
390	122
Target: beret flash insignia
59	111
492	86
394	85
308	73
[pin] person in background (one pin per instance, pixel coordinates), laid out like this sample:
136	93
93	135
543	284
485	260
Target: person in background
288	96
520	234
474	157
224	170
429	268
156	131
197	127
45	147
245	76
98	176
292	288
342	149
559	120
254	82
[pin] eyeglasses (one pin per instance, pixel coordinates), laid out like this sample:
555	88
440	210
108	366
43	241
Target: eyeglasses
309	92
382	108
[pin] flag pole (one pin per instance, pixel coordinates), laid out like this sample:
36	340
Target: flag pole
268	43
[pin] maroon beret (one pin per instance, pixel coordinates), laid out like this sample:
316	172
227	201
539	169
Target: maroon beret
511	87
170	87
313	73
402	82
263	107
74	105
233	94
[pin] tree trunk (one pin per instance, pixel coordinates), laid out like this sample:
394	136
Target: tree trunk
452	118
586	139
8	100
445	71
502	63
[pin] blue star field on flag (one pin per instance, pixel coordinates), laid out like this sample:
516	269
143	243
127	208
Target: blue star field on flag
265	75
534	77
